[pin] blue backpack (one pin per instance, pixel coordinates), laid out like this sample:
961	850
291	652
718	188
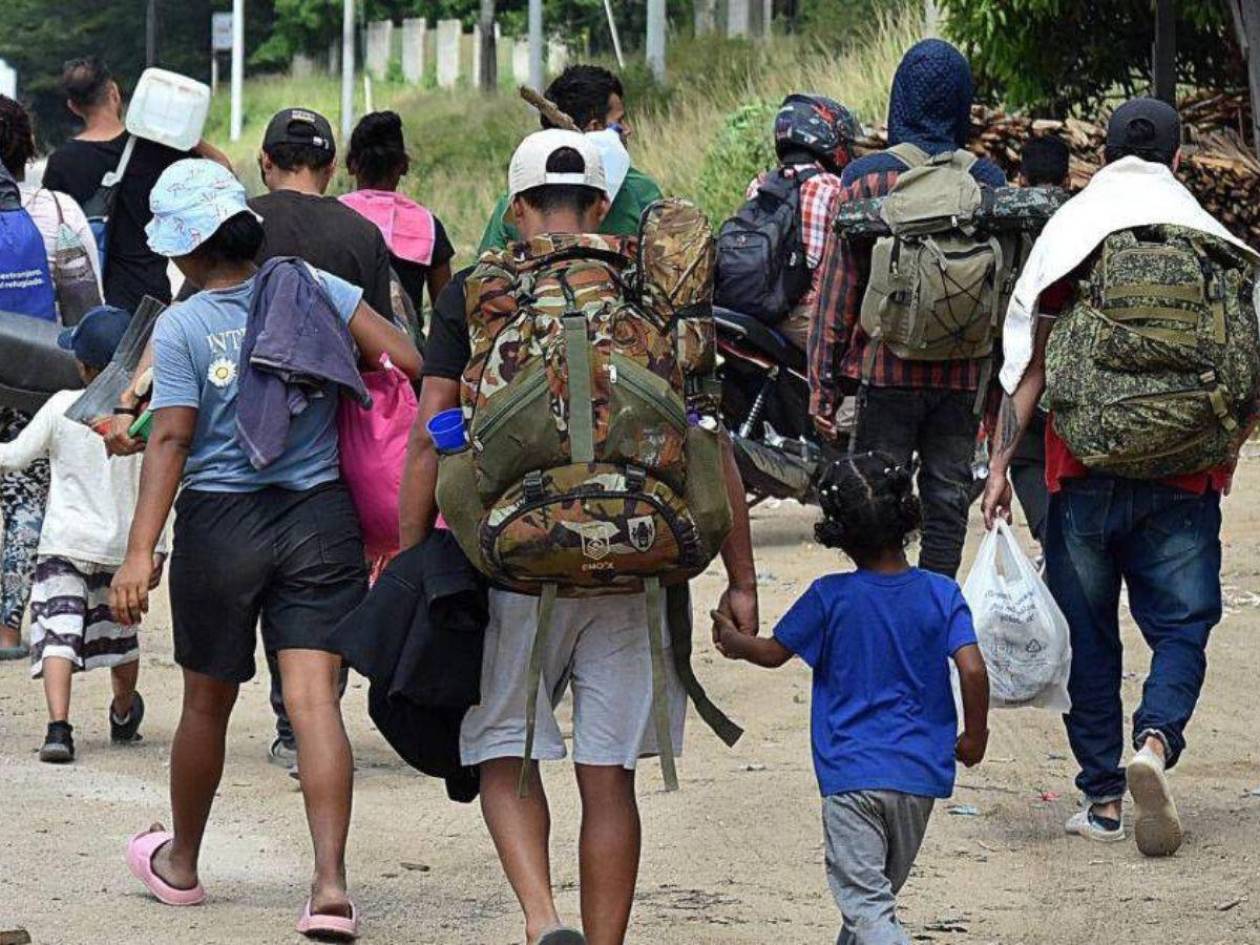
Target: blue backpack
26	286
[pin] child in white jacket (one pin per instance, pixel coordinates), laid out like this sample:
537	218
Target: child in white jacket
82	544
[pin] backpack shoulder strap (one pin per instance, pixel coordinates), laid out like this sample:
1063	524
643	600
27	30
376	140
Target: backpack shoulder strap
909	154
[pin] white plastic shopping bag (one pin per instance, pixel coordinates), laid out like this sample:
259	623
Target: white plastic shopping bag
1022	632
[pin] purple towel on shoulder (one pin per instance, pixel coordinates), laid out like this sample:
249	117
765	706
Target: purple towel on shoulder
295	344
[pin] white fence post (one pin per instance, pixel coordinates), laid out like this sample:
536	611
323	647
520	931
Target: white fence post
557	55
413	39
738	16
449	33
520	61
380	37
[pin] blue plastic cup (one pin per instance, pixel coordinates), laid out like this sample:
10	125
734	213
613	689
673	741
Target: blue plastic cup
446	429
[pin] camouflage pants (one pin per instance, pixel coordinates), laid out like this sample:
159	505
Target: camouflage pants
22	498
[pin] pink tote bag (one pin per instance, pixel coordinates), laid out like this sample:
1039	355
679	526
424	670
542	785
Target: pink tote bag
373	442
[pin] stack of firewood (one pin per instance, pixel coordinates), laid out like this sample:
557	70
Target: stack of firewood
1218	165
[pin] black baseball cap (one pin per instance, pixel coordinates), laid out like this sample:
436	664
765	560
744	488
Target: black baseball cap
299	126
96	337
1148	126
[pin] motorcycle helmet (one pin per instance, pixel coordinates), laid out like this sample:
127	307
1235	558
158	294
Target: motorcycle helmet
818	126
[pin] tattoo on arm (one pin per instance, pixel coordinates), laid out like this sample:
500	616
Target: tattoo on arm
1009	427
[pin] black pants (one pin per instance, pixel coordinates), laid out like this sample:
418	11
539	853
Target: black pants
1028	476
940	426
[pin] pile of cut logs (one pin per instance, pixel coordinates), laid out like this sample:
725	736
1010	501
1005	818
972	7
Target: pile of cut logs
1218	166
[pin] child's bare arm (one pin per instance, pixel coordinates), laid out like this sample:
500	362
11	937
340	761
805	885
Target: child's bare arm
760	651
973	679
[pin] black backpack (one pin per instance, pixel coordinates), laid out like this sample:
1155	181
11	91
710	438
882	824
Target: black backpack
762	269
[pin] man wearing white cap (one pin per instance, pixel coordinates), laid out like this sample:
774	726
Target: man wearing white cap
599	647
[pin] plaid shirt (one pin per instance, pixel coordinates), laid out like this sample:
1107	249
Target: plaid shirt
837	344
820	200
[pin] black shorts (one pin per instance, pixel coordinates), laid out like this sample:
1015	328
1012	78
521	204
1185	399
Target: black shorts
292	559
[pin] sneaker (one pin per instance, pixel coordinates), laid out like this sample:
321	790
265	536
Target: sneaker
1091	826
127	731
1156	826
58	746
282	753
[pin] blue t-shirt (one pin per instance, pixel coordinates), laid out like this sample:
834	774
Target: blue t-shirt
196	350
883	714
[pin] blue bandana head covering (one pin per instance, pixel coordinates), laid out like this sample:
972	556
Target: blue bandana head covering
190	201
930	104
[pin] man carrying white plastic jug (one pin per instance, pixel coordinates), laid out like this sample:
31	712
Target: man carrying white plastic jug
77	168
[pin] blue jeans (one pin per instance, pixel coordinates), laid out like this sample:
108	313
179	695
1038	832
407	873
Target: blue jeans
1165	545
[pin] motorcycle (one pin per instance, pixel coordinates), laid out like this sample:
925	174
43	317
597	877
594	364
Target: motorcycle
765	406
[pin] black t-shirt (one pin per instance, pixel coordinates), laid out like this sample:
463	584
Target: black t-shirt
412	275
447	350
330	236
132	270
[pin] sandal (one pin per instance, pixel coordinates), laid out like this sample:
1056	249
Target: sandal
329	928
140	851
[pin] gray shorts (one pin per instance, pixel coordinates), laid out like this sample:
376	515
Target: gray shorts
872	840
598	647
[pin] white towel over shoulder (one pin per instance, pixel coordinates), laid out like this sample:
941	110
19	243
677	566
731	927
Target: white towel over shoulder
1127	194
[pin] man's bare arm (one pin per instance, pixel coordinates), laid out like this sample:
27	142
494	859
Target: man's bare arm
1015	415
417	501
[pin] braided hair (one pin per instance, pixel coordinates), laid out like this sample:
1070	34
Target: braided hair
868	505
17	138
377	152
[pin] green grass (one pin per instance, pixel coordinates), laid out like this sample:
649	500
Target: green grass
684	135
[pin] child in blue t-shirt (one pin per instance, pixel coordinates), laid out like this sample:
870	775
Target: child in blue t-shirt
884	728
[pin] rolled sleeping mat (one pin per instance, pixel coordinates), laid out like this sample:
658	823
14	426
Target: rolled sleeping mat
32	367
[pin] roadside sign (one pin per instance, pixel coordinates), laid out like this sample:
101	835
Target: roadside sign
221	32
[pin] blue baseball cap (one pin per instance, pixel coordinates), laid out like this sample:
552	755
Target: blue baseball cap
190	201
96	337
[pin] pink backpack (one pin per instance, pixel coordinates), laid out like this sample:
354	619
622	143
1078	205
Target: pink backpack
373	445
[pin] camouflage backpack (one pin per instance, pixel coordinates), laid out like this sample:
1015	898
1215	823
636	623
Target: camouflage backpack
938	283
594	465
1153	372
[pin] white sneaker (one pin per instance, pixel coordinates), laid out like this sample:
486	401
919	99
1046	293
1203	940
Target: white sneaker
1156	826
1085	824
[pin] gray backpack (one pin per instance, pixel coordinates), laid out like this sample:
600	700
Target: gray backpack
938	283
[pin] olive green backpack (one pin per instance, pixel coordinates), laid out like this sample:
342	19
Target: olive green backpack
938	284
595	464
1153	371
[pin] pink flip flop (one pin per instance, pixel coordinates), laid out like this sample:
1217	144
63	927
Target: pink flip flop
329	928
140	851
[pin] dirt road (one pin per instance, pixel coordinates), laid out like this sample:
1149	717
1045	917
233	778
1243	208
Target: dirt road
734	857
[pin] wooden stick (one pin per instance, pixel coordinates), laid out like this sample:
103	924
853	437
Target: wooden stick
549	109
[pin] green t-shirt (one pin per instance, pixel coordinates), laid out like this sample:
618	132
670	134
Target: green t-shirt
637	192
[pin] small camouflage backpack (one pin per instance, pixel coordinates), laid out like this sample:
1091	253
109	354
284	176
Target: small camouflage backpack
1154	370
594	465
938	283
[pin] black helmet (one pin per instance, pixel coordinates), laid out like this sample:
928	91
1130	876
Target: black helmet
816	125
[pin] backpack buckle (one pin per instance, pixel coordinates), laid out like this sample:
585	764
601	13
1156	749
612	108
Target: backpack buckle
1207	378
636	478
532	485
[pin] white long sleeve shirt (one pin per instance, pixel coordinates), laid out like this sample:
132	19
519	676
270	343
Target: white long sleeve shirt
92	498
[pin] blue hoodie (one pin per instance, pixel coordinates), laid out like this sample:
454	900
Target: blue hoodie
930	106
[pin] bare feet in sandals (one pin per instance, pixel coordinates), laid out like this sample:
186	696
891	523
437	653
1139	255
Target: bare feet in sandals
150	861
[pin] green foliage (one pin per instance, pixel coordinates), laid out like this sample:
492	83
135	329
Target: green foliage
743	149
1057	56
837	23
39	35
